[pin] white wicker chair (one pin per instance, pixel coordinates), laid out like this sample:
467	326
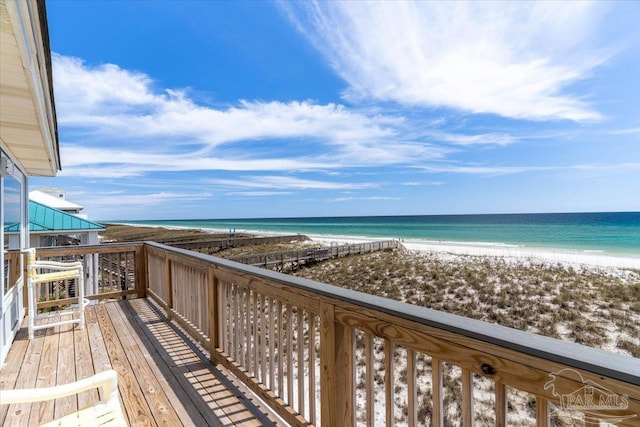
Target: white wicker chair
107	412
57	271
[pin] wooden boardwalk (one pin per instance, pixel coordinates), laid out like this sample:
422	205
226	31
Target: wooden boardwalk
163	377
209	246
298	257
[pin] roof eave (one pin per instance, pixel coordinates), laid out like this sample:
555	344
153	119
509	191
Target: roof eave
29	134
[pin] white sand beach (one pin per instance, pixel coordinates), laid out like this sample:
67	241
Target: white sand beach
519	253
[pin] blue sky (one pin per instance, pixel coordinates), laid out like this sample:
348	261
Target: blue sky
197	109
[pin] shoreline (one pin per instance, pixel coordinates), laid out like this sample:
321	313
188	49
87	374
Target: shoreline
519	253
481	249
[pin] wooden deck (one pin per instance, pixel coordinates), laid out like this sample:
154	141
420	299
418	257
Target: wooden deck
164	377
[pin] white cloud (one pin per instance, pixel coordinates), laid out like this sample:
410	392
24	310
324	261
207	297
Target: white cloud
492	138
129	127
258	193
109	99
287	182
629	131
483	170
106	162
142	200
619	167
115	163
420	184
514	59
506	170
347	199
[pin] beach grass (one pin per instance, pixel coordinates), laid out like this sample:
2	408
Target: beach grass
592	306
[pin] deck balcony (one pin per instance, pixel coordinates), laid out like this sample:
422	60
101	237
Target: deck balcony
198	340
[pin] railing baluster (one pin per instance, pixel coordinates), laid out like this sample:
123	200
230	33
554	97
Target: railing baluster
300	345
312	368
411	388
230	316
263	338
247	329
118	272
240	320
280	351
437	393
232	327
271	344
369	376
223	316
256	344
467	398
501	404
128	262
109	276
289	355
542	412
389	383
213	313
220	303
238	326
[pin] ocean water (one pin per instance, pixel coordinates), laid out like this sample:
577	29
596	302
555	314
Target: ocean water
614	233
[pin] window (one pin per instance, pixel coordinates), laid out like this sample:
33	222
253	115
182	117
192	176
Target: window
13	215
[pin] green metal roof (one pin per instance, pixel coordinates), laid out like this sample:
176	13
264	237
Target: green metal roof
45	218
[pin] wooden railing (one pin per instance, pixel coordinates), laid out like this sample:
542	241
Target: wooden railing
319	354
322	355
112	272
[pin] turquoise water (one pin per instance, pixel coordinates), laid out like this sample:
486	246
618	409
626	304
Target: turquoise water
615	233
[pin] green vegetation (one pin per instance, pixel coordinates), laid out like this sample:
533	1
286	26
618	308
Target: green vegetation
595	307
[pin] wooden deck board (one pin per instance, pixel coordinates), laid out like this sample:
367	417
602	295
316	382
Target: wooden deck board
66	371
164	378
179	354
46	375
12	367
133	400
18	415
160	405
84	366
174	392
97	346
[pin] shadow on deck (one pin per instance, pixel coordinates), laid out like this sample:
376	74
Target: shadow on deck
164	377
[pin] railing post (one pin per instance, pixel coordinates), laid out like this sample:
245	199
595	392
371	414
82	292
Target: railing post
141	276
213	312
328	384
336	376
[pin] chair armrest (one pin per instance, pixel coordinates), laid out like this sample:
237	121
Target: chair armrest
53	265
107	380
